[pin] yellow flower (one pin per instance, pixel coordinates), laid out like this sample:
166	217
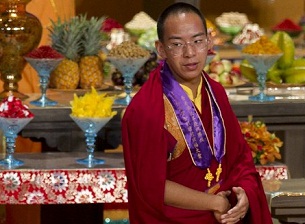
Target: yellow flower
93	105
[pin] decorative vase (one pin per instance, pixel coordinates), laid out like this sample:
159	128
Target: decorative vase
20	33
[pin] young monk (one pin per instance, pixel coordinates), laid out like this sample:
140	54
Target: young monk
186	159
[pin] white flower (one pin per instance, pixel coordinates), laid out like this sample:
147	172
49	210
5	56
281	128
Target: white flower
84	196
84	179
59	181
60	199
109	198
11	181
106	180
36	197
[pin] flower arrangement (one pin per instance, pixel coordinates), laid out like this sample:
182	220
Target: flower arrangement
265	146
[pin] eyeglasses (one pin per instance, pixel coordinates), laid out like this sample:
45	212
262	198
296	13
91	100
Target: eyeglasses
177	48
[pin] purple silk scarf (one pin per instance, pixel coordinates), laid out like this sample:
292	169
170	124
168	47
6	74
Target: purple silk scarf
191	124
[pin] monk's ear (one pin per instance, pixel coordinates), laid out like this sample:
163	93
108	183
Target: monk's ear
160	49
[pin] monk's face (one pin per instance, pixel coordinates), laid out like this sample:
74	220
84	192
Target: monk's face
185	45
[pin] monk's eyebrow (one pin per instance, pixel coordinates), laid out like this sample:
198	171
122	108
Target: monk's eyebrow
180	38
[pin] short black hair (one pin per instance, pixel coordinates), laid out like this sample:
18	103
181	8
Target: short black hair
174	9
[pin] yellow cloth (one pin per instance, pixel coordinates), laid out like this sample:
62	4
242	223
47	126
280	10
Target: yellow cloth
197	99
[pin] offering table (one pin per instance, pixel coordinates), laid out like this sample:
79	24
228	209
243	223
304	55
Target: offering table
285	116
56	178
53	188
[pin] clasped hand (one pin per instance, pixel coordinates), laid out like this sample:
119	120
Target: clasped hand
233	215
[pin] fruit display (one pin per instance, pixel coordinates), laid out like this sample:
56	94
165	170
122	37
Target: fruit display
148	39
140	23
262	46
249	34
287	70
79	40
90	64
12	107
92	105
224	72
66	37
231	22
44	51
129	49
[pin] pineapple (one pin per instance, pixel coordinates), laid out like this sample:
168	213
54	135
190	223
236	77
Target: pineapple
90	63
66	39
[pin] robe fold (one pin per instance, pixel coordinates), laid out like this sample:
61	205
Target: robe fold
146	145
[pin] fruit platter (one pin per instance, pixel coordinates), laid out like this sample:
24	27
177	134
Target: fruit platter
288	71
86	46
231	22
225	71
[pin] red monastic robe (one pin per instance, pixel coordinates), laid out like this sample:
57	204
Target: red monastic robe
146	145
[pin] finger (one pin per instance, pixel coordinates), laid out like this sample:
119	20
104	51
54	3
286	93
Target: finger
224	193
228	193
237	210
238	191
229	220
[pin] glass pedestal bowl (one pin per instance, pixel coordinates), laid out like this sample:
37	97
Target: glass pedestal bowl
44	67
90	127
262	63
11	127
128	67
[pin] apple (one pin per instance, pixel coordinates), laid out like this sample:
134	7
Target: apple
225	78
217	67
227	65
235	78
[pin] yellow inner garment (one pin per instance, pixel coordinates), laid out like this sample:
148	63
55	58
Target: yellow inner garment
197	99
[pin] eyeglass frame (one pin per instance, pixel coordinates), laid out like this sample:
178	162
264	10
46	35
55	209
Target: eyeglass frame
181	46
